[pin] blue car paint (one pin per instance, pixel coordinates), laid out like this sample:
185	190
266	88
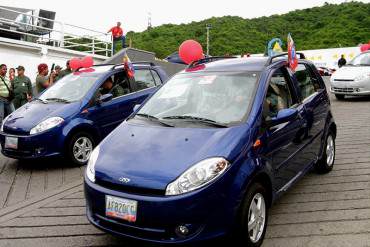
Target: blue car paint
97	120
154	156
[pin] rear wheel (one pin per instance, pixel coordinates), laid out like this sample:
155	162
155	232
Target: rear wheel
339	96
254	216
326	163
80	147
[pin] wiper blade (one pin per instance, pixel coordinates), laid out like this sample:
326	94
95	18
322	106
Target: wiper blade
37	99
198	119
150	117
58	100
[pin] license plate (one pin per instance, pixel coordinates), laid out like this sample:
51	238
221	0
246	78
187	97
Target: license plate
11	142
120	208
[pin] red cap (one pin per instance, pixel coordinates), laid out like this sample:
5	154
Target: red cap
42	67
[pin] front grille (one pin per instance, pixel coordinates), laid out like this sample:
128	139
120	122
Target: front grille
11	131
130	189
344	90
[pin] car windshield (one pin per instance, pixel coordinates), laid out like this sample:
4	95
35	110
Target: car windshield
70	88
217	98
361	60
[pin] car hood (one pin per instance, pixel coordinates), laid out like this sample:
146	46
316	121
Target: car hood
28	116
350	72
152	156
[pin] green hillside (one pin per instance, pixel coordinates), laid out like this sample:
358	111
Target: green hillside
331	25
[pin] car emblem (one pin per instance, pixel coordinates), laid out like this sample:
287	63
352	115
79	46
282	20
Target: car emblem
124	180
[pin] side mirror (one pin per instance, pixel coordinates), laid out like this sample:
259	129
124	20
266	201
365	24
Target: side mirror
136	107
105	98
283	116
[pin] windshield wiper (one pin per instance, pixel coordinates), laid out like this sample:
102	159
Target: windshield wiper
150	117
198	119
37	99
58	100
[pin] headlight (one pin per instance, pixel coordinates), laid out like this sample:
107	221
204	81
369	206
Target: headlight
46	124
90	169
3	122
198	176
362	77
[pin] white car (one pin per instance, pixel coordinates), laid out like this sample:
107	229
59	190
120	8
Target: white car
353	78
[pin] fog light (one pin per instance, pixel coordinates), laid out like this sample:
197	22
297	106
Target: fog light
182	230
358	90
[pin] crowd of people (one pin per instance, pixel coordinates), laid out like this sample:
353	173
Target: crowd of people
16	88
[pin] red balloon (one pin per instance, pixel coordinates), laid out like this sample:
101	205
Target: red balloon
190	51
365	47
87	62
75	63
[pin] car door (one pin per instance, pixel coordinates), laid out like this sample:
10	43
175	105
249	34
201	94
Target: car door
108	115
284	141
316	102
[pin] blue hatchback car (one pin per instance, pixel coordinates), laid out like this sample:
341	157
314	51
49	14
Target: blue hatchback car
210	151
73	115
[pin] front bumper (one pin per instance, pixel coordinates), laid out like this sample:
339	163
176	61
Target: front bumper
208	213
41	145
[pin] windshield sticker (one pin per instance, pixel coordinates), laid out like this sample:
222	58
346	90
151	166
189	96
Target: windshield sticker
207	79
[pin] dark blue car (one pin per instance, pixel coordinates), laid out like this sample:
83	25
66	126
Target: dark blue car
210	151
73	115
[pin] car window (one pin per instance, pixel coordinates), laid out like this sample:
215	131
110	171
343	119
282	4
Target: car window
157	79
117	85
144	79
307	83
278	95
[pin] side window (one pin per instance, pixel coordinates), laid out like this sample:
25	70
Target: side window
157	79
278	94
116	84
144	79
308	84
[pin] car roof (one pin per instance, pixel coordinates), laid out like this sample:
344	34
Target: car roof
103	68
225	64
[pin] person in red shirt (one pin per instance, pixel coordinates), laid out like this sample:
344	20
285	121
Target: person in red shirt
117	34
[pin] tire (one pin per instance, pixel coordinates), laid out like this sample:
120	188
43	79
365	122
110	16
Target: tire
326	163
256	194
81	141
339	96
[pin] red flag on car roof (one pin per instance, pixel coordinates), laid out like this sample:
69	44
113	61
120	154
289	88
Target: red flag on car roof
128	66
292	55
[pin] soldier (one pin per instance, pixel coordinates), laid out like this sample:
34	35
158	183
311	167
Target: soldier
22	88
64	72
43	81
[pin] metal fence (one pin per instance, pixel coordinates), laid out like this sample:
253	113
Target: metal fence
26	26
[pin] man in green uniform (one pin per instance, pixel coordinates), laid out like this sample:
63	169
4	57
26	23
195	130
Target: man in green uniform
64	72
43	81
22	88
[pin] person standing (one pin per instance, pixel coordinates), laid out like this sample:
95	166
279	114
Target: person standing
64	72
342	61
43	81
6	105
22	88
117	34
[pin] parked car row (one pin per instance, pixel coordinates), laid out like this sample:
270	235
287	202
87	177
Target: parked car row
201	156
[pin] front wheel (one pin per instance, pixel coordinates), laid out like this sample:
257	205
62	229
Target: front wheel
326	163
339	96
254	216
80	147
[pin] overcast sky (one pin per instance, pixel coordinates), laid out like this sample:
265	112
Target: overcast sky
101	15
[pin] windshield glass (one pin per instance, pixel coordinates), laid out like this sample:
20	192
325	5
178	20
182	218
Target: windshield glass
361	60
216	97
71	87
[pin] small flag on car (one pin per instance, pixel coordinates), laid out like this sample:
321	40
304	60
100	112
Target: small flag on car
128	66
292	55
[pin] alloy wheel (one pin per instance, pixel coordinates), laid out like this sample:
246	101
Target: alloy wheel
82	149
256	217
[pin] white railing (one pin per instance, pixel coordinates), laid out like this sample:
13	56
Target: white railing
63	35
